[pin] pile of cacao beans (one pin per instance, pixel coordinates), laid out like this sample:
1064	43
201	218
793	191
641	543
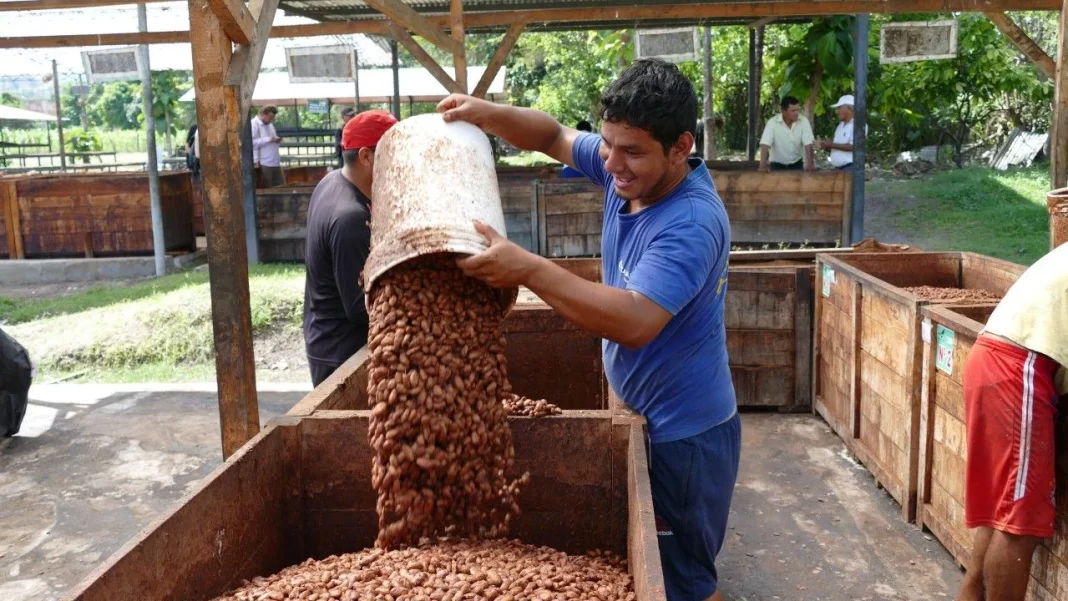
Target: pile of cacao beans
438	426
498	570
520	405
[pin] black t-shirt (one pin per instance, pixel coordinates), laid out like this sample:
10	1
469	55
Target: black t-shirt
338	241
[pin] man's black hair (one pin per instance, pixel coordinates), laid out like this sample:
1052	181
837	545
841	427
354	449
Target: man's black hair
584	125
350	156
788	102
655	96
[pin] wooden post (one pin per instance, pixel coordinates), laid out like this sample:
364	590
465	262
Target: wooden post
459	59
1024	43
59	115
709	151
396	78
756	72
1059	131
860	127
221	121
159	244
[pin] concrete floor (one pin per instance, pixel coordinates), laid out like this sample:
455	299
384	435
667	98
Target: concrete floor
92	465
809	524
95	464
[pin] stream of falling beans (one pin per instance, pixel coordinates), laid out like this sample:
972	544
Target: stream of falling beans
439	393
443	450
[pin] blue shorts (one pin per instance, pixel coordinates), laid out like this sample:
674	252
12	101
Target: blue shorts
693	481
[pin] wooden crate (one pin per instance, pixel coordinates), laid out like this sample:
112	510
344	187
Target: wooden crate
93	214
570	215
302	488
787	206
282	222
951	330
519	199
768	315
868	351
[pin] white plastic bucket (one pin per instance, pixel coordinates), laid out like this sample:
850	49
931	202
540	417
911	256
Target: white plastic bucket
432	180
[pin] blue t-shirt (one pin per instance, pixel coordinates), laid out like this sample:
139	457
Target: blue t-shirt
675	253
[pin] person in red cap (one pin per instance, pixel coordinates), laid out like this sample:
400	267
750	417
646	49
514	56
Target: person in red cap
336	248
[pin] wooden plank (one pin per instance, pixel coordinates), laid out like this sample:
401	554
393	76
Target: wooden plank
543	234
774	232
21	5
988	273
913	399
573	224
500	19
763	386
1024	43
817	331
235	19
801	211
1059	122
927	421
803	339
459	59
499	56
243	68
221	159
401	14
643	551
9	207
855	373
401	35
771	310
761	348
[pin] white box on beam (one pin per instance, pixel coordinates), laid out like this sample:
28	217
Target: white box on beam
676	45
319	64
917	41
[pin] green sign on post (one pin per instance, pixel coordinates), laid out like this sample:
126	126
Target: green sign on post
319	107
947	341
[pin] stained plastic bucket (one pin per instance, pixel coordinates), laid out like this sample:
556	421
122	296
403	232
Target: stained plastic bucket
432	180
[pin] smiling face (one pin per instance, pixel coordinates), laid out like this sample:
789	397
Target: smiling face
640	168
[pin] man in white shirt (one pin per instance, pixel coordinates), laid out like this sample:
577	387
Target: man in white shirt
266	154
842	146
787	140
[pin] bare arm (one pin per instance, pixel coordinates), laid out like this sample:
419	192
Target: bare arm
526	129
764	158
622	316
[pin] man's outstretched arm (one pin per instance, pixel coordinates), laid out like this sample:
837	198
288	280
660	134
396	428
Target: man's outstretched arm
526	129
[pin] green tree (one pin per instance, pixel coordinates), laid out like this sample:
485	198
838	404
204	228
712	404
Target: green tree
953	97
115	105
9	99
818	63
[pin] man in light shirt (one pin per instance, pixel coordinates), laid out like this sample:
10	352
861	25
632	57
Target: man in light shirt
266	153
842	146
787	140
1014	377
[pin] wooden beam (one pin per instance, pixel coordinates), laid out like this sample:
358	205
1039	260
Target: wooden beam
244	69
236	21
1024	43
459	60
1058	145
220	120
401	35
499	57
499	19
761	22
404	15
20	5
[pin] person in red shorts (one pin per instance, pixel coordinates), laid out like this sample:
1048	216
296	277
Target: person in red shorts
1012	383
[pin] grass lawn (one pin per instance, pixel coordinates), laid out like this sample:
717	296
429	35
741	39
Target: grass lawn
154	330
1001	214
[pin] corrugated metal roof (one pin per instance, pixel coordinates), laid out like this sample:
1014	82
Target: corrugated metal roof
351	10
